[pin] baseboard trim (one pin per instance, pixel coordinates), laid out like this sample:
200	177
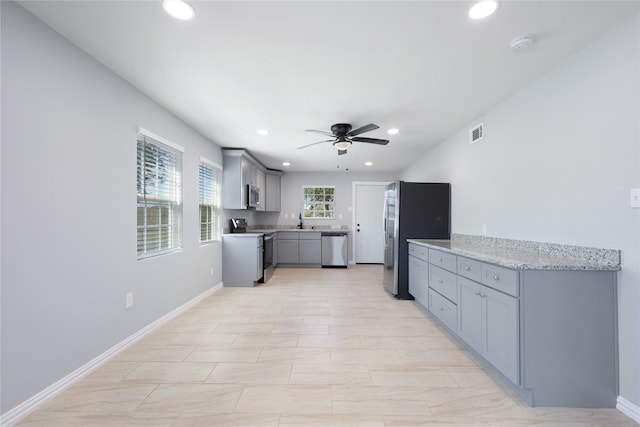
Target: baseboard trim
25	408
629	409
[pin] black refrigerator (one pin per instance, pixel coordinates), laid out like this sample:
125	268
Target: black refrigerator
412	210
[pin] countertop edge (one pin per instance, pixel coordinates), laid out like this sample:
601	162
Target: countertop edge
514	259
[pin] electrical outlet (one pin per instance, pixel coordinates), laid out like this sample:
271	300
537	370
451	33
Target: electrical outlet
634	202
129	300
286	216
211	271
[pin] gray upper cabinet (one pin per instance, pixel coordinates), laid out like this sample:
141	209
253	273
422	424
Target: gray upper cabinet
234	180
272	192
241	169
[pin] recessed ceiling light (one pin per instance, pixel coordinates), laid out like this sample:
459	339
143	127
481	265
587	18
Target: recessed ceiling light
393	131
263	132
483	9
368	163
179	9
286	164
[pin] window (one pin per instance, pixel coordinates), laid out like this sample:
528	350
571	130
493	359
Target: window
159	196
319	202
209	196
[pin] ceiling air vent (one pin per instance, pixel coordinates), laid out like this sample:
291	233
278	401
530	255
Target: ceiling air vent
476	134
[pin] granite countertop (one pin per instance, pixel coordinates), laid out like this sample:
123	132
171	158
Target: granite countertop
527	255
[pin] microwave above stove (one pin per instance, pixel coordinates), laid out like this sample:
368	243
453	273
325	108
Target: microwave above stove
253	196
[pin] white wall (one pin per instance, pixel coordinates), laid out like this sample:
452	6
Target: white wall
556	165
292	183
69	210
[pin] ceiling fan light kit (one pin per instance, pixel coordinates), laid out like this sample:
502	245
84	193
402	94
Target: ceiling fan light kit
344	136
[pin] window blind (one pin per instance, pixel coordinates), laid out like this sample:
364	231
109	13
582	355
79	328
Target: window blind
159	186
210	200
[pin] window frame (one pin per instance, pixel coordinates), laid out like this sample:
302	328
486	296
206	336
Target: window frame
306	202
166	195
214	208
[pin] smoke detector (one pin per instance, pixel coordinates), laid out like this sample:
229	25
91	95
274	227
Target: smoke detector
522	43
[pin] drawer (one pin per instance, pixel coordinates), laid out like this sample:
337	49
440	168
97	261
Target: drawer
288	235
444	282
419	251
501	279
444	310
469	268
307	235
442	259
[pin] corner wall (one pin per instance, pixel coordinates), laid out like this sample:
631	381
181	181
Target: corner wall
68	181
556	165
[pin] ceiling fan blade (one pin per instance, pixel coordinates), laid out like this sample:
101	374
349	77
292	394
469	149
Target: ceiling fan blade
371	140
320	131
319	142
363	129
341	152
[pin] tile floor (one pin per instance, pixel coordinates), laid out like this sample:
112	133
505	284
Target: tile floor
313	347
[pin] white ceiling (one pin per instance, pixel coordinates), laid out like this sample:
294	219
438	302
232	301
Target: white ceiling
421	66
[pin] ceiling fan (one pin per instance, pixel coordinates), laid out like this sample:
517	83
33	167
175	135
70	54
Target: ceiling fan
343	136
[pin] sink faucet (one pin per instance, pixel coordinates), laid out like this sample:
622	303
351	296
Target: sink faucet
300	224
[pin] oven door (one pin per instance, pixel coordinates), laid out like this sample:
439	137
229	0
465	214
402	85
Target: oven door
268	257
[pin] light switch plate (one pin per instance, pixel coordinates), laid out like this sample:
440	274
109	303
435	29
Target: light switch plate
634	201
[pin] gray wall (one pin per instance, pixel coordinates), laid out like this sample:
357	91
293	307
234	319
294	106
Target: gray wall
291	206
69	210
556	165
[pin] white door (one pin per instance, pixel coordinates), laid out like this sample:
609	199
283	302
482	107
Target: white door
369	233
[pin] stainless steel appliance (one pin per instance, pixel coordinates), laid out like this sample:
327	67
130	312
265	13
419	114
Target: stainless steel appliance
268	259
412	210
334	249
253	196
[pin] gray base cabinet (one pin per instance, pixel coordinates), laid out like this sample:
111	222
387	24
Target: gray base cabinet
299	248
419	280
488	323
287	251
550	334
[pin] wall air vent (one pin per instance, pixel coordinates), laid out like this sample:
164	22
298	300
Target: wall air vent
476	134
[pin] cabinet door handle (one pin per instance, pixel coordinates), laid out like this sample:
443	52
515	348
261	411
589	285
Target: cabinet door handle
496	277
440	259
479	293
466	267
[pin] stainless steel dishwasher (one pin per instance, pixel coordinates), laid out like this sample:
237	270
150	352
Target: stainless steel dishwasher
334	249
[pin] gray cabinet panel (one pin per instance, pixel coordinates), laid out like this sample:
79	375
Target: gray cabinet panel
488	322
310	251
569	334
443	309
470	313
273	192
470	268
500	341
419	280
444	282
287	251
443	260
